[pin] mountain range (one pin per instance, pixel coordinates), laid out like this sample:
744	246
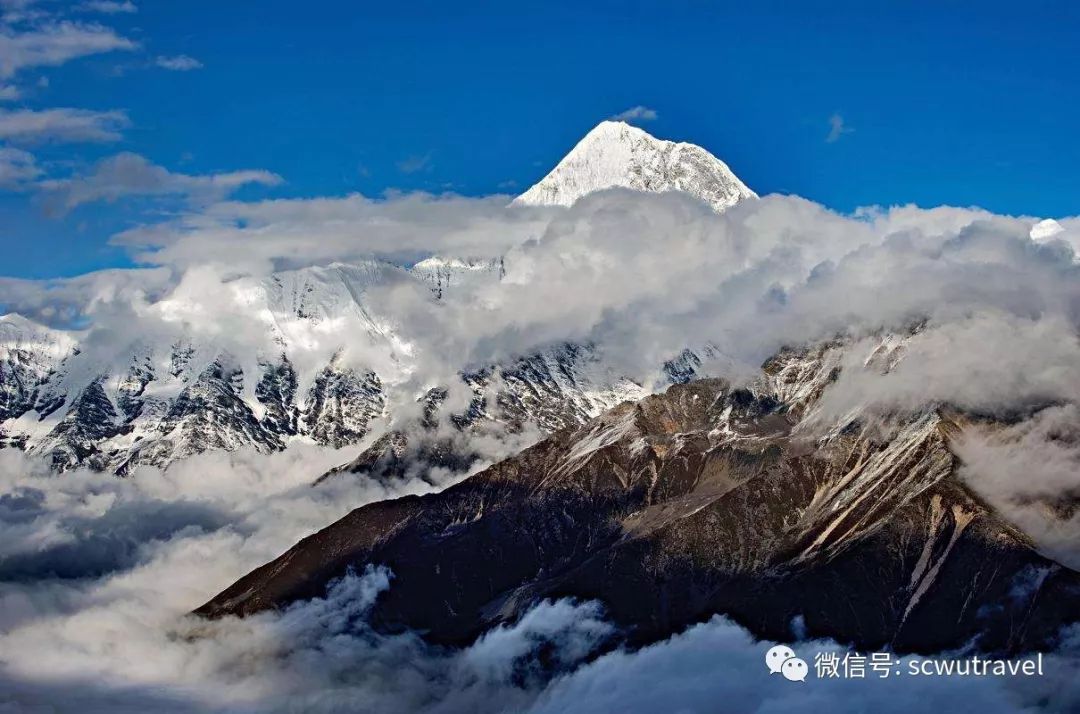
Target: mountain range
115	406
668	500
708	499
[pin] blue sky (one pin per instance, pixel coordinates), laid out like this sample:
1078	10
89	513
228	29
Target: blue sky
928	103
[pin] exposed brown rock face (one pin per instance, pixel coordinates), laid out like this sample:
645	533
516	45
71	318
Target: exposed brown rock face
698	501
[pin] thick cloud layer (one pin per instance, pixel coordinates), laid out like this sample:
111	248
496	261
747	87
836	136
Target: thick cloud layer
639	275
97	573
114	636
718	667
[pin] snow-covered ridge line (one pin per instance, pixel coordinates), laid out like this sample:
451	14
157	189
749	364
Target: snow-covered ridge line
312	356
323	368
617	155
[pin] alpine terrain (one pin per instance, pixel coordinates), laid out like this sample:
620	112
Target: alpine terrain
330	373
668	500
709	499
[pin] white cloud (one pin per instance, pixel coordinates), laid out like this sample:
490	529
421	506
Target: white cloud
1046	450
638	275
54	44
27	126
300	232
641	276
110	7
20	11
97	574
1046	229
1019	362
837	128
718	666
17	168
638	113
414	164
129	174
9	92
178	63
65	300
641	273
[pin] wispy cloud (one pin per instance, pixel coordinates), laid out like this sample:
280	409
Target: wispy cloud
415	164
54	44
638	113
109	7
9	92
26	126
17	167
19	10
179	63
129	174
837	128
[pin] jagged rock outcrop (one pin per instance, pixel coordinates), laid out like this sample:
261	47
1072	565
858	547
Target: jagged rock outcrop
706	499
445	274
90	420
563	386
342	404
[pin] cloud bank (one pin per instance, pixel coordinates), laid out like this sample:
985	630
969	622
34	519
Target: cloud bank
98	572
95	621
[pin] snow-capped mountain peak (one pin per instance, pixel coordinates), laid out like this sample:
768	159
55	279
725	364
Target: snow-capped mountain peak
615	154
319	360
19	333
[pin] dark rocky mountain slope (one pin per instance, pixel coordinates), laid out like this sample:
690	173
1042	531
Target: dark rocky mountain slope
704	500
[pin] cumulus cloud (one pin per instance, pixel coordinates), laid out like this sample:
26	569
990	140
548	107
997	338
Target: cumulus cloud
638	277
837	129
53	44
27	126
1046	229
638	113
97	572
641	275
178	63
303	232
129	174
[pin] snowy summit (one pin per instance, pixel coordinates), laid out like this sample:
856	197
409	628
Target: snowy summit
615	154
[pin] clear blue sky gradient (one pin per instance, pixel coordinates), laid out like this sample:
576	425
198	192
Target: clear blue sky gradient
947	102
